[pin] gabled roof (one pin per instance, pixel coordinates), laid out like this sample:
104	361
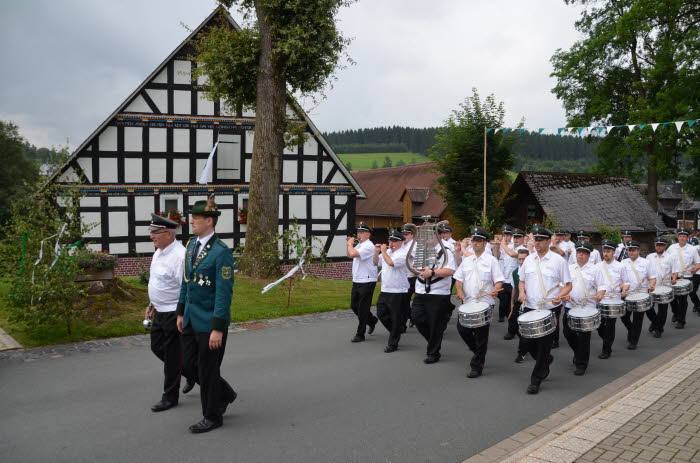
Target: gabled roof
163	64
578	201
385	189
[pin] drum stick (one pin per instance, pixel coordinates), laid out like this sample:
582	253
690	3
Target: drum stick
489	294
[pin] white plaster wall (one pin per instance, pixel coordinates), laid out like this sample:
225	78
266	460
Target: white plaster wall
118	224
205	140
291	149
225	223
204	107
108	170
309	172
225	199
320	206
133	139
327	166
200	167
156	170
86	165
181	170
118	248
142	230
91	219
248	112
181	140
108	139
289	171
321	226
182	71
132	170
95	247
297	206
226	110
247	170
68	176
143	206
161	78
144	247
310	146
341	199
338	178
337	248
117	201
160	98
90	201
182	102
343	222
139	105
249	136
157	140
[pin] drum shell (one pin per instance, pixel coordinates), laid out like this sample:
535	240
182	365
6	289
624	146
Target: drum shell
663	298
612	310
474	319
532	329
682	287
583	324
639	305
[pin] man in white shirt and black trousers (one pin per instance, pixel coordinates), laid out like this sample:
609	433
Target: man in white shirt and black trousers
544	281
164	292
614	282
688	264
364	279
408	231
642	277
478	278
666	275
392	298
431	305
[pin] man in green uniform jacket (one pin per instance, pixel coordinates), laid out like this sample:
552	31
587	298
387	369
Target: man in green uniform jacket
204	313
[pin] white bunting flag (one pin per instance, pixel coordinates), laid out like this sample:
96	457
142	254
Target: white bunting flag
204	177
591	130
654	126
679	124
631	127
609	128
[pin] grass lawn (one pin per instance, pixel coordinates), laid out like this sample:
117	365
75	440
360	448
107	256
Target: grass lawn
363	161
308	296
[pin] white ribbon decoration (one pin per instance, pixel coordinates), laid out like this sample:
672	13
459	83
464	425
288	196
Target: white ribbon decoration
204	177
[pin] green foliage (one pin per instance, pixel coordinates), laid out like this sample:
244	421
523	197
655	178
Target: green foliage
394	139
608	233
401	163
551	222
387	162
18	172
298	245
370	148
458	155
348	166
89	260
375	165
364	161
636	63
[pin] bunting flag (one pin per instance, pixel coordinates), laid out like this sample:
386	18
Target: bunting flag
597	129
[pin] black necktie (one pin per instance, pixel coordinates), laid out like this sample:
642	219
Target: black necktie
196	250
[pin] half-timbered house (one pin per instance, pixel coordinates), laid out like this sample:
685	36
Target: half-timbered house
149	153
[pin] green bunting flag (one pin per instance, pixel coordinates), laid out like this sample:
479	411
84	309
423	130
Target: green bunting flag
591	130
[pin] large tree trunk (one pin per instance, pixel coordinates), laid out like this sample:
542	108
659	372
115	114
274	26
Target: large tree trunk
260	258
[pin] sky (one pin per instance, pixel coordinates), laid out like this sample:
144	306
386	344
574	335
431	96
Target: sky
70	63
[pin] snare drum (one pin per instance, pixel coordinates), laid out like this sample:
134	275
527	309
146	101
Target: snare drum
583	319
537	323
662	294
639	302
612	308
682	287
474	314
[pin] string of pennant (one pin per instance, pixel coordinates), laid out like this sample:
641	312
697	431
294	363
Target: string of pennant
595	130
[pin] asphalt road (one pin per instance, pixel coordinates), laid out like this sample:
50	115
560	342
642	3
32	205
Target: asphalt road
306	394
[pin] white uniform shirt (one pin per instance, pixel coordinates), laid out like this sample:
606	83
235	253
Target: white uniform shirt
639	272
442	287
665	266
450	243
166	277
478	276
569	249
619	249
508	264
585	281
611	276
554	273
595	257
686	258
363	269
394	279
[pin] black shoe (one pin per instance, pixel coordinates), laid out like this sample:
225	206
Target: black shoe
189	385
604	355
579	371
474	374
674	319
403	329
501	319
429	360
573	360
508	336
411	324
680	325
389	349
520	358
163	405
555	344
657	333
205	425
357	338
371	326
550	360
651	328
533	389
631	346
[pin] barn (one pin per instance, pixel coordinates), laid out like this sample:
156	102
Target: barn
147	156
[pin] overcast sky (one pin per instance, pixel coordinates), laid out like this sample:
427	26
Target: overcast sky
69	63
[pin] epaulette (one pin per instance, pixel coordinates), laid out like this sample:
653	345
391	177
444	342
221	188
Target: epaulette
188	242
224	245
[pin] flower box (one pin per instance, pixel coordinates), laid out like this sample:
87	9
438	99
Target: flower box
94	275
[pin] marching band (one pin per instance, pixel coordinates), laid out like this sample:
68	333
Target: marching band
533	278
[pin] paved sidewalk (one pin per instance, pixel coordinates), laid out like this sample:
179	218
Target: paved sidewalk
652	414
7	342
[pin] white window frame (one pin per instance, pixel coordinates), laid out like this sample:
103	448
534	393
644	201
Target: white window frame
171	197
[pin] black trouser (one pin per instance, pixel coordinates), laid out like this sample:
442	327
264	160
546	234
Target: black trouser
477	340
513	319
633	322
658	319
606	331
679	306
409	295
557	315
694	293
540	349
390	312
215	392
165	343
504	301
360	303
428	313
579	341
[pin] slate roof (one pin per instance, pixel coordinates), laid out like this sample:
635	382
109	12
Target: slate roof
385	188
580	200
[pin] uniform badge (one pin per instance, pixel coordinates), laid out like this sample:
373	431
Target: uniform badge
226	273
201	282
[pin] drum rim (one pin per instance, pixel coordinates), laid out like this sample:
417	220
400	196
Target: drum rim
573	315
638	297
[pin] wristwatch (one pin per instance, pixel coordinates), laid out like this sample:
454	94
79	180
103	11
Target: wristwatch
432	272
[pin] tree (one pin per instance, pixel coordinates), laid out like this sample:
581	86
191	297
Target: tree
458	155
637	63
287	45
17	171
387	162
375	165
348	166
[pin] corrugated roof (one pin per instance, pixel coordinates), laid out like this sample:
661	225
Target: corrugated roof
384	189
580	200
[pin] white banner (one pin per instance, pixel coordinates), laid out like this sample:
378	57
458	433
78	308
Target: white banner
204	177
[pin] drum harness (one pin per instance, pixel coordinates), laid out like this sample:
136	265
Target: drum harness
579	276
477	273
636	274
607	275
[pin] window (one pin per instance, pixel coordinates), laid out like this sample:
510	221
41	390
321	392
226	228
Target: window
170	203
228	157
531	212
